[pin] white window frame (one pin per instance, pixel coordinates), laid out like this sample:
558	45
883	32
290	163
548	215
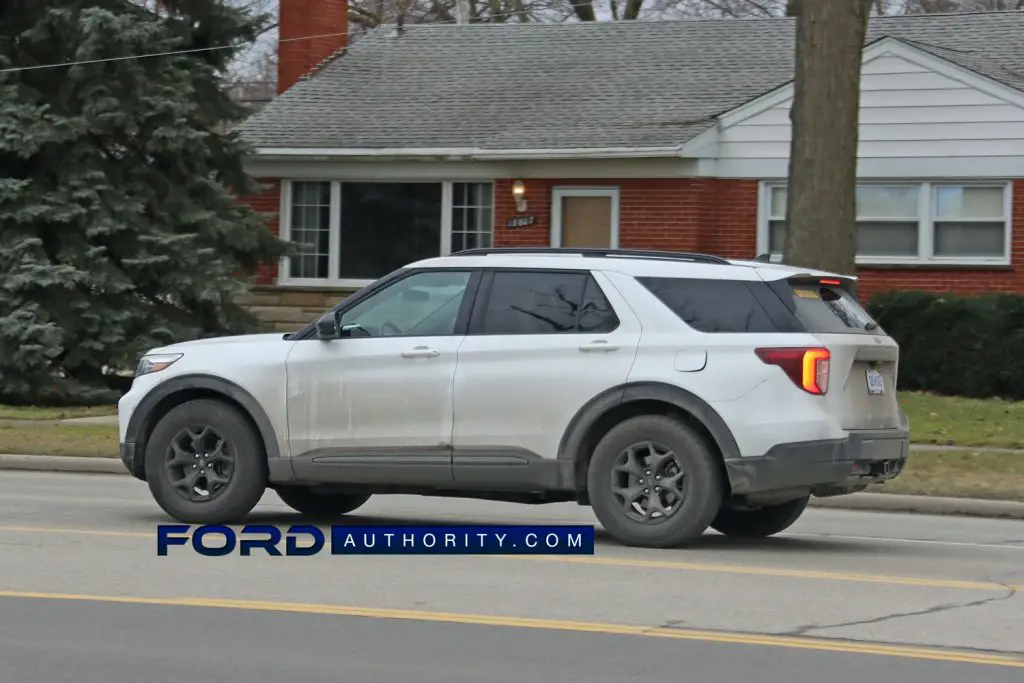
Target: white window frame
334	277
925	228
558	193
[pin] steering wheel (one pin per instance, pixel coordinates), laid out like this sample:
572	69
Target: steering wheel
389	329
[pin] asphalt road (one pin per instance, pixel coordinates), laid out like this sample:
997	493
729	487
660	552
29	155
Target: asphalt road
843	596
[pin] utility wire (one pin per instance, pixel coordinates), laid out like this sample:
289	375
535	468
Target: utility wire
173	53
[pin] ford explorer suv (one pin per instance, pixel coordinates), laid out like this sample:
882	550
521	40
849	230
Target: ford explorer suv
670	392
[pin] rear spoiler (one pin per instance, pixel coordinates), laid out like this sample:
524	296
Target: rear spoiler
844	282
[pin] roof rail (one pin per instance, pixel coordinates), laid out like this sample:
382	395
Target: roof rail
599	253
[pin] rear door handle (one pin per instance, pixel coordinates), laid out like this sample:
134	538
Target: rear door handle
421	352
599	345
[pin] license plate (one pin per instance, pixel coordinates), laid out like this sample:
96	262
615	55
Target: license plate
876	383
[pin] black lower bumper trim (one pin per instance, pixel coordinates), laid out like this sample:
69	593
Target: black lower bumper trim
861	459
132	459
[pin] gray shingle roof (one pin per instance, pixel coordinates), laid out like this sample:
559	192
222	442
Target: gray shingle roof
570	86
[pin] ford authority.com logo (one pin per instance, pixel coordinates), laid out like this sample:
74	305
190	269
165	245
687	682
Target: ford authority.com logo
303	540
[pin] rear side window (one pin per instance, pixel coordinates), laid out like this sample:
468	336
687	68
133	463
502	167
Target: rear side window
545	302
712	305
824	309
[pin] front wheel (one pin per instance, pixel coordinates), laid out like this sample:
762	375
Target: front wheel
654	482
321	505
205	464
762	522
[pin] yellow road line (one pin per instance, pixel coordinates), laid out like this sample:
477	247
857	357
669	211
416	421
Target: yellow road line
748	570
799	643
770	571
82	532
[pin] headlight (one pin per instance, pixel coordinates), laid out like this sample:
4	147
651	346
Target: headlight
156	363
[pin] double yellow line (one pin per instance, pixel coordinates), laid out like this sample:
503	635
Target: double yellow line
549	625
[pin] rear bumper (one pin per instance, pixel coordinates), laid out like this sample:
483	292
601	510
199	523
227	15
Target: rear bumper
863	458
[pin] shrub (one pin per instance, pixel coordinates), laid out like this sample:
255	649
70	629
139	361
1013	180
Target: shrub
969	346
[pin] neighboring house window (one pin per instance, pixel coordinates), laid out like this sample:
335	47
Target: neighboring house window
355	232
915	222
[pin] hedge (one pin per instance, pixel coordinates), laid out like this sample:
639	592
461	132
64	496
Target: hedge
969	346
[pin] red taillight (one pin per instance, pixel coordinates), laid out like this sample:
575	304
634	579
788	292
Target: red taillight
807	367
831	282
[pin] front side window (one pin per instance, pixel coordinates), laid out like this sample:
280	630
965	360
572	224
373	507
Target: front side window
916	222
421	305
356	232
546	302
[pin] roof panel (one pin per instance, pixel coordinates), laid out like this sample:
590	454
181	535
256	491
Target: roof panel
562	86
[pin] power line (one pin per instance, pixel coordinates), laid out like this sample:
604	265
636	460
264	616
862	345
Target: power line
173	53
159	54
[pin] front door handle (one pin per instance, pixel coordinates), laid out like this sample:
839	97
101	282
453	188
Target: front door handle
421	352
599	345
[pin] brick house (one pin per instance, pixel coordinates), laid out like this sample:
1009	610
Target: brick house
667	135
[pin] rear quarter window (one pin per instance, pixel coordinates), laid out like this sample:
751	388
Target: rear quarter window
720	306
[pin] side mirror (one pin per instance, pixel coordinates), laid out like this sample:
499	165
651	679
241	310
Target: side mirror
327	327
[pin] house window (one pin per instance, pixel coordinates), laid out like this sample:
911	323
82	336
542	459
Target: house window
472	215
311	228
352	233
916	222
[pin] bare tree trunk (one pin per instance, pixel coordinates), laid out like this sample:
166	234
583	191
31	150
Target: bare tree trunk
584	10
820	207
633	8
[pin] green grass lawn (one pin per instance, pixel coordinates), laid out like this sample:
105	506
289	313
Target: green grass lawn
31	413
961	474
950	421
96	441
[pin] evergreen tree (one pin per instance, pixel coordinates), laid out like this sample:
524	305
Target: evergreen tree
119	229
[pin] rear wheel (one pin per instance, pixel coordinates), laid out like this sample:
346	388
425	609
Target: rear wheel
654	482
322	505
205	464
759	523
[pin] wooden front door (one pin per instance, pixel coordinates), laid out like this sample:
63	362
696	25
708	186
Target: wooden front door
586	222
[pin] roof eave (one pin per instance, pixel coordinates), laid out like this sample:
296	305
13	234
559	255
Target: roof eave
466	153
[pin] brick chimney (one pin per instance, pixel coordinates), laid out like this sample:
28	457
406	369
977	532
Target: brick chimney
302	18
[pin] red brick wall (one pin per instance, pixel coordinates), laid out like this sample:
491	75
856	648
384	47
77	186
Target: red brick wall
268	201
708	215
962	280
654	213
303	18
720	217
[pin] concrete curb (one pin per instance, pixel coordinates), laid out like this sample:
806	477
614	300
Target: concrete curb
62	463
878	502
926	505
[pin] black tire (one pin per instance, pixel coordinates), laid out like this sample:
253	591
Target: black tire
246	481
319	505
702	486
760	523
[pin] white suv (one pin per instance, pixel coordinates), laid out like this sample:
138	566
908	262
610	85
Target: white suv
669	391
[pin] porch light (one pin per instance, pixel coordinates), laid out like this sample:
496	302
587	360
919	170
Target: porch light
518	190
